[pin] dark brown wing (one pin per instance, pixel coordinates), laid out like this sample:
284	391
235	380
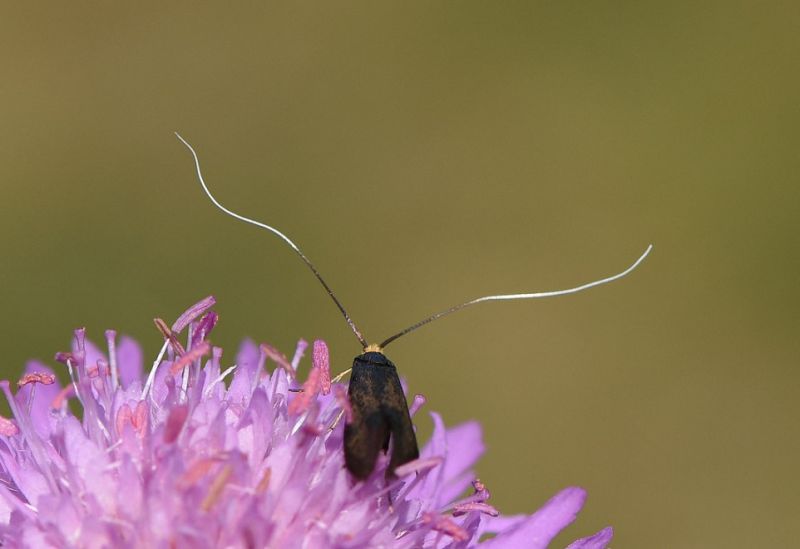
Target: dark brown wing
368	432
395	410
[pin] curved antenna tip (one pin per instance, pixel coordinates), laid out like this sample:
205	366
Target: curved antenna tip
277	233
635	263
505	297
182	140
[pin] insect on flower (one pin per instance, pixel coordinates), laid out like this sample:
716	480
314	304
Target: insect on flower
380	412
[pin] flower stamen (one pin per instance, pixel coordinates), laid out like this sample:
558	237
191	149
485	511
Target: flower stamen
217	486
7	427
219	379
419	401
446	526
192	313
279	358
197	352
111	342
263	484
299	352
36	377
196	471
169	336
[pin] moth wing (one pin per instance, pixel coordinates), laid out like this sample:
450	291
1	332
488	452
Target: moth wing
395	410
368	432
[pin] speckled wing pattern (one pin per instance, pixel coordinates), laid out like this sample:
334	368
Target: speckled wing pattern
379	412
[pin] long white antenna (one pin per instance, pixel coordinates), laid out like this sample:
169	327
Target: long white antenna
277	233
517	296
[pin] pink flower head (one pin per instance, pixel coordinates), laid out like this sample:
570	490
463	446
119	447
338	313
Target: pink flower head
198	455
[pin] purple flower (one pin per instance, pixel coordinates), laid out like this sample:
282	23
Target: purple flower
195	454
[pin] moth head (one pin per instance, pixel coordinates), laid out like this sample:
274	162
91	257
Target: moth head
373	348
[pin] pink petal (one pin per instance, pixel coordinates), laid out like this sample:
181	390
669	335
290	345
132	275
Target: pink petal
160	388
247	357
429	488
540	529
498	525
33	484
246	364
600	540
129	361
82	453
175	420
437	445
255	431
464	447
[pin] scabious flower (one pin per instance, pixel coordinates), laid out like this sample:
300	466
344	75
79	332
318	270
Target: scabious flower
194	455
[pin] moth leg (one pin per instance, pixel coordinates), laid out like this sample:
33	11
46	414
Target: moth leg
336	421
340	376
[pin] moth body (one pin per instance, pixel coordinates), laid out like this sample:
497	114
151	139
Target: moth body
379	414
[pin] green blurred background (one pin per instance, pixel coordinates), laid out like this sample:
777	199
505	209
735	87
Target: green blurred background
425	153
